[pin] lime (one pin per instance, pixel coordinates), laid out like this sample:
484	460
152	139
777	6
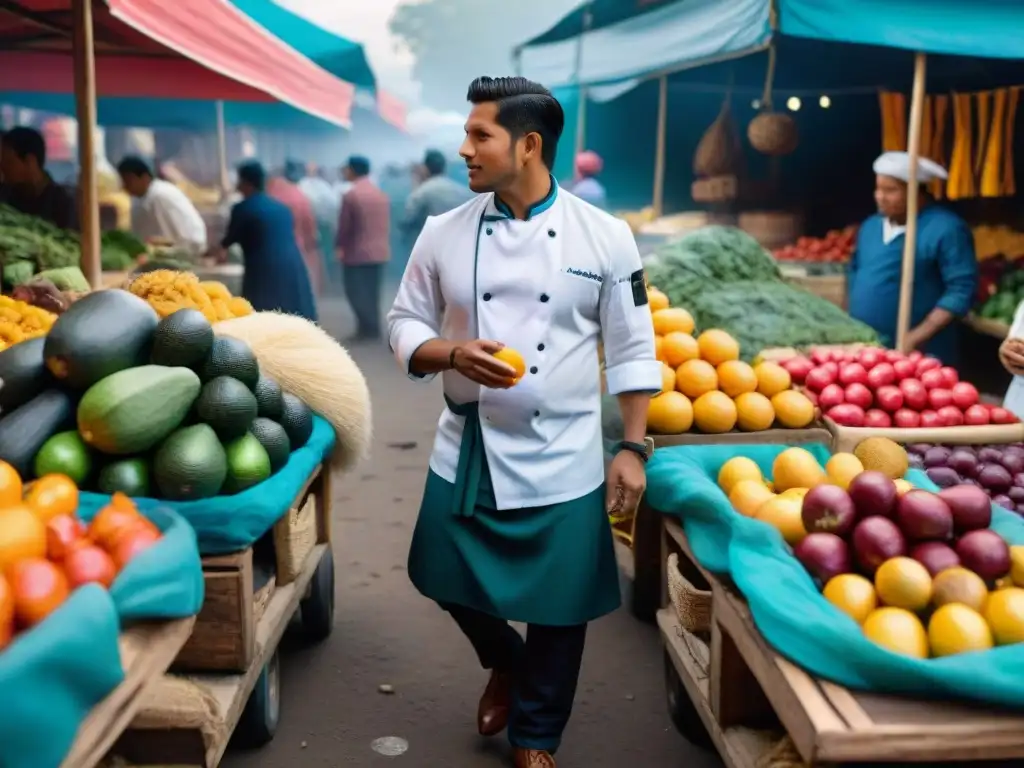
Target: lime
65	454
129	476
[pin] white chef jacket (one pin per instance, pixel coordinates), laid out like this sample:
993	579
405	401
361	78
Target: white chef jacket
165	211
1014	400
549	287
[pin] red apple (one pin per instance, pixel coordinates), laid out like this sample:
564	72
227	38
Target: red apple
830	396
877	418
869	358
882	375
904	369
889	398
975	415
964	395
859	395
927	364
951	415
930	420
819	378
905	418
949	376
915	396
940	398
1001	416
847	415
852	373
933	379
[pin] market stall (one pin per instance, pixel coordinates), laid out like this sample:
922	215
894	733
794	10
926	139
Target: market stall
171	401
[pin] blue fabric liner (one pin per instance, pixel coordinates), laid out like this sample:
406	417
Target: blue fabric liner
231	523
56	672
786	605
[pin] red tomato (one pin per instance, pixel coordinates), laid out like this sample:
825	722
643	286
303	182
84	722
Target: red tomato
927	364
852	373
63	533
951	415
949	376
915	396
939	398
859	395
869	358
904	369
933	379
930	420
39	588
881	375
906	418
975	415
819	378
830	396
1002	416
131	544
89	564
889	398
878	419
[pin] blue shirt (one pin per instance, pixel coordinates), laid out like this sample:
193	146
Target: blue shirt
945	276
591	190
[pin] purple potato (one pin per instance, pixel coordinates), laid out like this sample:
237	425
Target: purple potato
964	463
995	478
944	477
1016	493
1013	462
1018	479
919	448
937	456
988	454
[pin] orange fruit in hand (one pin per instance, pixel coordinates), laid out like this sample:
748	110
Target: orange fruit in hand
510	357
39	588
53	495
10	485
22	535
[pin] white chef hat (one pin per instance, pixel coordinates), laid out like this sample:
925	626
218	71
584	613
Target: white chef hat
897	165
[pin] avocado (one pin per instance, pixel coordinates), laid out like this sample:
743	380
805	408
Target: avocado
268	397
129	476
228	406
248	464
297	420
274	440
231	357
102	333
190	464
182	338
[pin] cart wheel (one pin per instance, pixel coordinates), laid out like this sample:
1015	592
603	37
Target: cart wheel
318	607
262	712
684	714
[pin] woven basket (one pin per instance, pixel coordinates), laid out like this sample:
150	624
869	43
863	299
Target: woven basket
783	754
693	606
294	539
773	133
261	600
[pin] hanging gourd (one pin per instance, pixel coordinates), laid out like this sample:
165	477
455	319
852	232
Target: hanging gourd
719	152
772	133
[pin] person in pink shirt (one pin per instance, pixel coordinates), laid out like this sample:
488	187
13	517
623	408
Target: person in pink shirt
285	189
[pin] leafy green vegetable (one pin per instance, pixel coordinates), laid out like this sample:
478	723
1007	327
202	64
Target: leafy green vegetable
66	278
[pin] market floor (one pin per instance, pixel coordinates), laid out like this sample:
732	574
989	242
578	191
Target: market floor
385	633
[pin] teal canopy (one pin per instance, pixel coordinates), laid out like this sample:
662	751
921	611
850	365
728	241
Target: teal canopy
341	57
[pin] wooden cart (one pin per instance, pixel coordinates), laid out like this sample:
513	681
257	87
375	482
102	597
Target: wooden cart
646	524
726	688
147	650
225	682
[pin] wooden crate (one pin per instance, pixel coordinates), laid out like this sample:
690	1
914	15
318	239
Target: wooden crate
845	439
224	638
752	703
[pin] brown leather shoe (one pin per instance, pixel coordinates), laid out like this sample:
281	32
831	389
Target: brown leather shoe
492	714
534	758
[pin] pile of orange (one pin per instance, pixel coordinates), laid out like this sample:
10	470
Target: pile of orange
46	552
706	386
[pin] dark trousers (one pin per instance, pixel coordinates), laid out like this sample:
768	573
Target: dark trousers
362	288
545	668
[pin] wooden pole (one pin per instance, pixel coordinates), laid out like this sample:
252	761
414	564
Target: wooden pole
222	150
84	62
659	148
581	107
913	195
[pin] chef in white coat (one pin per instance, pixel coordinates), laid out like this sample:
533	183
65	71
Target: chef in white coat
513	524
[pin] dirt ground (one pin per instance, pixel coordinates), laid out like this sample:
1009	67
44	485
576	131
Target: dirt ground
386	634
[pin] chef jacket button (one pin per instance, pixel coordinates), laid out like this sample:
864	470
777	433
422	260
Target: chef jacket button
540	347
487	297
536	413
551	233
544	297
490	231
533	369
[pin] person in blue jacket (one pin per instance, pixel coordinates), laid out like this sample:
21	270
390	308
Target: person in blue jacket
275	272
945	267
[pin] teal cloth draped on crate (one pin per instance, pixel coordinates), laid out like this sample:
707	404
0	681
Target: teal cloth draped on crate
788	609
226	524
56	672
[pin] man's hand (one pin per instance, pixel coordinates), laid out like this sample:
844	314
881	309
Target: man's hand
476	361
625	484
915	338
1011	355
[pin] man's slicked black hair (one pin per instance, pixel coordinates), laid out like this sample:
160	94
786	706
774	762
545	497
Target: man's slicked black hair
26	142
523	107
134	166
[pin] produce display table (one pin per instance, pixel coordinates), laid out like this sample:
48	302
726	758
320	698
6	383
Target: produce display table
232	680
727	688
646	525
847	438
147	651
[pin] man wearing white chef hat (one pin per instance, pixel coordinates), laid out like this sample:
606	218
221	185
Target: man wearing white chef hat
945	269
513	524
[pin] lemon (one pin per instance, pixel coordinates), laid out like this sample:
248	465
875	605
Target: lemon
897	630
842	468
736	469
1004	613
902	582
955	628
852	594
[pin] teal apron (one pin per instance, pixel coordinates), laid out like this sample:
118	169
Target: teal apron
552	565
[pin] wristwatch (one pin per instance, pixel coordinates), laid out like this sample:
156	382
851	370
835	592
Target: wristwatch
640	449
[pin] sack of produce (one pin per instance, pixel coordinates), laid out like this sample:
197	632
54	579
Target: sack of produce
857	568
68	588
